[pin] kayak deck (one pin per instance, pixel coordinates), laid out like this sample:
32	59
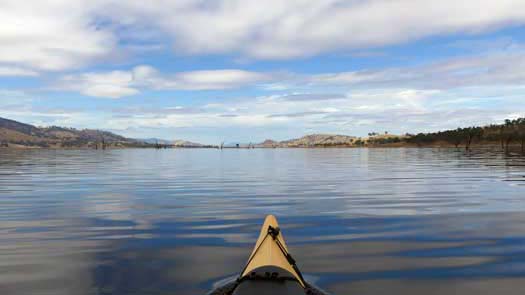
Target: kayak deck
270	268
271	250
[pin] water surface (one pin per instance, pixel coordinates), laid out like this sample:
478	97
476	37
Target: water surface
359	221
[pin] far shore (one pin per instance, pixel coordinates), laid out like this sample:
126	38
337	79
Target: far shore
444	145
507	137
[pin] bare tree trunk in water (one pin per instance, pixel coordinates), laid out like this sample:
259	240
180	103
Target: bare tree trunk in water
508	144
469	142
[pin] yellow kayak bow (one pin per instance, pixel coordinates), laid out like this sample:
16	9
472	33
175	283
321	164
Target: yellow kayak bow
270	270
271	251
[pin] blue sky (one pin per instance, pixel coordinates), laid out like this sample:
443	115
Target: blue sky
212	71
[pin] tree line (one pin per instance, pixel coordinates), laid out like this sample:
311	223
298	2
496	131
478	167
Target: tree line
506	134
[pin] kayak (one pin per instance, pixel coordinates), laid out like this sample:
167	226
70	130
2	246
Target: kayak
270	269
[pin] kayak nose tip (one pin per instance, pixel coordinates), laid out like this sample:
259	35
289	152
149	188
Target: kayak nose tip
271	219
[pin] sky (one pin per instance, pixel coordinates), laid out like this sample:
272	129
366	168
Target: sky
245	71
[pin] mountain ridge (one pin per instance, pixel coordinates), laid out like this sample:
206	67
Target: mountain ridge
17	134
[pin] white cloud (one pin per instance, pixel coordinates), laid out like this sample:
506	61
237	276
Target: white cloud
499	68
6	71
113	84
197	80
218	79
116	84
279	110
63	34
506	67
359	112
46	35
14	101
284	29
356	113
20	106
52	35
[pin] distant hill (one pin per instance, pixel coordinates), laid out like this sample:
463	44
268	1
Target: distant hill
268	144
509	137
173	143
184	143
155	140
313	140
13	133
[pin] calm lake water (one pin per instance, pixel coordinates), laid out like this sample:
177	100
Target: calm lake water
359	221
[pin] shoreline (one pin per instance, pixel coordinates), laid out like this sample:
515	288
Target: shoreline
492	146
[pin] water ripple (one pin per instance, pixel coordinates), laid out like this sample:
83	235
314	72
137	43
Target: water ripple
175	221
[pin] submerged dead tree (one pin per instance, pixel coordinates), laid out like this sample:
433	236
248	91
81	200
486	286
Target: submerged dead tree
473	133
508	141
521	135
102	143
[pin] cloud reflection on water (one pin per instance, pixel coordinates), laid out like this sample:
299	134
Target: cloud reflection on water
174	222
